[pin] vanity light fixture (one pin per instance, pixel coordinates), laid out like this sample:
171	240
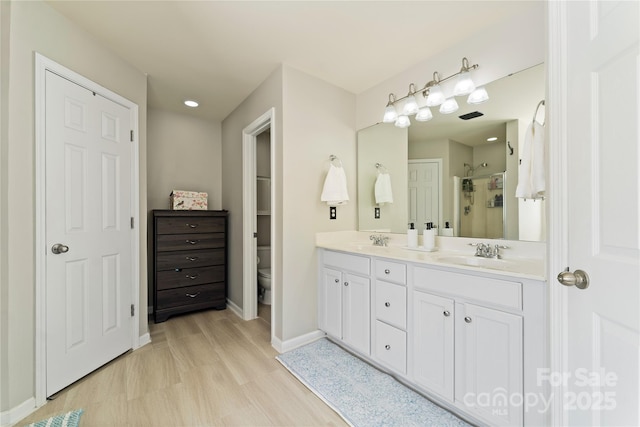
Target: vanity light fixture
191	103
432	92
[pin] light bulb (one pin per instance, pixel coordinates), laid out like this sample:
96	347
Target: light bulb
390	114
403	122
424	115
410	106
464	85
478	96
449	106
191	103
435	97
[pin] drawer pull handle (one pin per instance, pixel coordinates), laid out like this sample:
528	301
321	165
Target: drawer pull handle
337	280
467	319
192	242
387	347
192	225
346	283
192	258
387	271
387	304
446	313
191	277
193	295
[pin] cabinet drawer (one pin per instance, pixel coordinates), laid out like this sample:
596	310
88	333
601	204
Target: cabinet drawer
352	263
391	304
189	259
190	296
391	271
190	224
492	291
391	346
191	241
183	277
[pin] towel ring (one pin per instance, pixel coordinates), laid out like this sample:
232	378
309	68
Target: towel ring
333	158
536	112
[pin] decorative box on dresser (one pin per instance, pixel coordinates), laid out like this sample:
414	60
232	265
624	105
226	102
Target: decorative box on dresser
189	261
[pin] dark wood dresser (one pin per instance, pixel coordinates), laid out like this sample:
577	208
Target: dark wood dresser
189	261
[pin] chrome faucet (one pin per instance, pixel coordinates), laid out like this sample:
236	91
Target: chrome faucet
486	250
379	240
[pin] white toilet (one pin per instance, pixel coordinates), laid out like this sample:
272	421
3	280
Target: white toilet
264	274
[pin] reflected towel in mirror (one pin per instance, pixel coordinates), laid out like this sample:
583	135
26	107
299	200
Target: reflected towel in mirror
335	191
531	180
383	191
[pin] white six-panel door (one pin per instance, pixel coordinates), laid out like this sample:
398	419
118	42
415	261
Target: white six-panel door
596	372
424	193
88	211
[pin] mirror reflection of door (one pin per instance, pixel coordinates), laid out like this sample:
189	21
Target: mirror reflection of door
424	190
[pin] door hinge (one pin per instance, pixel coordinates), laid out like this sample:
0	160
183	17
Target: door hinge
132	136
133	310
132	222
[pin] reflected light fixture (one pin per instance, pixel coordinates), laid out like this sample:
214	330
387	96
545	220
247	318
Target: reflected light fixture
191	103
478	96
403	122
449	106
434	95
493	138
424	114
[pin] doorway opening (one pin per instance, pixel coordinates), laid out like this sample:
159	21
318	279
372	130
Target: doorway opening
258	218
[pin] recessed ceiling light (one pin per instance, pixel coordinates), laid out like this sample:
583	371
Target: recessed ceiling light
493	138
190	103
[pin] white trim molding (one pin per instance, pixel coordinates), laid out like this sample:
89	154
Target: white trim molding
284	346
42	65
14	415
557	238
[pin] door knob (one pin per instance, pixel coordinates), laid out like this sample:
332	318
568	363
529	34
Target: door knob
59	248
578	278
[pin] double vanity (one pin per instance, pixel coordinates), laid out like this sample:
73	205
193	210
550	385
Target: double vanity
466	331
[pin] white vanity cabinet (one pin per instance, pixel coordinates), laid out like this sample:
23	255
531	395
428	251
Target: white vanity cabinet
473	332
489	364
474	341
390	310
344	299
433	343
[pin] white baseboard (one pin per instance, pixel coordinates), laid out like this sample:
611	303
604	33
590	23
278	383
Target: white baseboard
14	415
284	346
234	308
144	340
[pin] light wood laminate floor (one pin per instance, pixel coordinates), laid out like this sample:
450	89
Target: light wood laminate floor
203	369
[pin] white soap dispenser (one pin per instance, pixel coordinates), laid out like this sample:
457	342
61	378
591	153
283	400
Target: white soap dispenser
447	231
412	237
429	237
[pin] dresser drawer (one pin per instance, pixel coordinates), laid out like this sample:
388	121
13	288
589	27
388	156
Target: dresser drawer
391	304
391	271
189	259
183	277
177	242
190	224
391	346
192	295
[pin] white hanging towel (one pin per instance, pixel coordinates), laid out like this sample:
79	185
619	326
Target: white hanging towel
531	173
334	191
383	191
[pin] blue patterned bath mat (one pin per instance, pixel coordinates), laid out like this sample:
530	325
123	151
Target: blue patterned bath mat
70	419
362	395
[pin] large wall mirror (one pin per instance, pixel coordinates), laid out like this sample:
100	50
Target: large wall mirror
455	171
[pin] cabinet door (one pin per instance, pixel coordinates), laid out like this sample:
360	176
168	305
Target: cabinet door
355	312
489	364
433	326
330	302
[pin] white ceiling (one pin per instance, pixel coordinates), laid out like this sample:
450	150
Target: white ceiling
218	52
